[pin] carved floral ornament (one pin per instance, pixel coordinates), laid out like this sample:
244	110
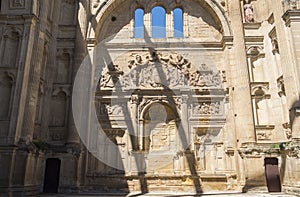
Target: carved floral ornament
159	70
291	4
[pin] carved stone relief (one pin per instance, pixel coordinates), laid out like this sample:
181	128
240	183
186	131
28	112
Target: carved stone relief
287	130
17	4
57	135
158	70
207	108
264	132
110	77
248	10
280	85
291	4
109	109
206	143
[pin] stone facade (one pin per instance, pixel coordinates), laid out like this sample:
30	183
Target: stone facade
205	112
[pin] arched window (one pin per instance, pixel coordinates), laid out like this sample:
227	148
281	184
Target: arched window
158	22
139	23
178	23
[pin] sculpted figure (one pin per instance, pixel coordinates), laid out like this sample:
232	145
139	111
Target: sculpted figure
197	79
181	63
216	79
106	80
138	61
249	16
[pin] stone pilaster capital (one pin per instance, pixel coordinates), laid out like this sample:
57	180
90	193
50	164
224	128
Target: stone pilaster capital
184	99
135	99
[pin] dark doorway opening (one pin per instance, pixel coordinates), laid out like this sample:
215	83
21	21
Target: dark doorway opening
272	175
52	172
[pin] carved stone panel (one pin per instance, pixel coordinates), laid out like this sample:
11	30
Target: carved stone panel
159	70
17	4
207	108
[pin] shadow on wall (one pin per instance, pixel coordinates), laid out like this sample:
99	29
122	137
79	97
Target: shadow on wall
294	112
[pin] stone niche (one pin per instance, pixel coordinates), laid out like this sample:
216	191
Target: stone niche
10	48
62	75
67	13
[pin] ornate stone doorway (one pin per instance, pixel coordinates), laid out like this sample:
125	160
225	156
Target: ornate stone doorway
52	172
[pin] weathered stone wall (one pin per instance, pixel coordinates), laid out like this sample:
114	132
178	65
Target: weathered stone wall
253	115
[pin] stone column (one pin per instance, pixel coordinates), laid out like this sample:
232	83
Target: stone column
169	26
148	29
184	133
141	134
79	55
240	86
19	102
33	88
291	64
134	120
50	72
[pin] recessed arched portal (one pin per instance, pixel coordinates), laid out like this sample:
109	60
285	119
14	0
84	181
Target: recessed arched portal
159	127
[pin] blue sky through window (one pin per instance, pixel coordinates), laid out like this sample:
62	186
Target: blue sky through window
158	22
178	23
139	23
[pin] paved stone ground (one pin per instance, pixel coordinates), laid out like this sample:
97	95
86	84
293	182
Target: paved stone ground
249	194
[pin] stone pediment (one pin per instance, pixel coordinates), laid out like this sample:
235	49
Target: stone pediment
157	70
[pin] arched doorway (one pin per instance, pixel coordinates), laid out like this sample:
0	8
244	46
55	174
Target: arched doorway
52	172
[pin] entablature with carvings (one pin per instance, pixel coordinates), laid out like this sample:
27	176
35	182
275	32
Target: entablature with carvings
157	70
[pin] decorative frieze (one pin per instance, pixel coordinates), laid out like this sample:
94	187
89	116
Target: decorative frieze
207	108
264	132
291	4
158	70
57	134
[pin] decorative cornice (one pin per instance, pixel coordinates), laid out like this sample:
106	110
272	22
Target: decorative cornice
291	16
